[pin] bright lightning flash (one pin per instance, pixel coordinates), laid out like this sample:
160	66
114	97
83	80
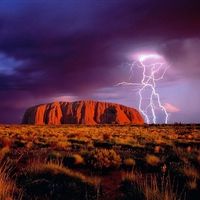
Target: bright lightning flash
148	82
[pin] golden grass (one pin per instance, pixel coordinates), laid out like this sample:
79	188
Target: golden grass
118	134
40	170
3	152
152	160
128	176
78	159
130	162
191	172
150	187
150	145
41	167
7	185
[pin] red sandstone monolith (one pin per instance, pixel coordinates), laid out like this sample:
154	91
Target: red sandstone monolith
82	112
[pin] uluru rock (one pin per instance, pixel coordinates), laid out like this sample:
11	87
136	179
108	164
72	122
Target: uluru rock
81	112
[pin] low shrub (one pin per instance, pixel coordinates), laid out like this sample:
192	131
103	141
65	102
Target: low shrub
73	159
129	162
152	160
103	159
190	172
78	159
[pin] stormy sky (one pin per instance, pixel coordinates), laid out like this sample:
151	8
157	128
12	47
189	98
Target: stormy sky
80	50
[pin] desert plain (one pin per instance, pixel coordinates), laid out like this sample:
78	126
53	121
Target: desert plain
150	161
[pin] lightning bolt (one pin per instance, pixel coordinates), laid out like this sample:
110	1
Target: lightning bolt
148	82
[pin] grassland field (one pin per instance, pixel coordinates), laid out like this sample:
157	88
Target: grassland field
100	162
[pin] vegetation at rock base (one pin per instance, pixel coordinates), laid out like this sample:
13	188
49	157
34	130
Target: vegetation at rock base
100	162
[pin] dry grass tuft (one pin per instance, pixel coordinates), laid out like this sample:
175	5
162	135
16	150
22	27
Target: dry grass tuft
152	160
43	176
8	187
190	172
129	162
3	152
192	184
149	187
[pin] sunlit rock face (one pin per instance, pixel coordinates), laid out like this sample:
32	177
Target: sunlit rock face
82	112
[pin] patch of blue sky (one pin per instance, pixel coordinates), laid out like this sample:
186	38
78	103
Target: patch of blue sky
8	64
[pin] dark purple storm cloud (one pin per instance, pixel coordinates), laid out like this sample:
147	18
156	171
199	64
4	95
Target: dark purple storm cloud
50	49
